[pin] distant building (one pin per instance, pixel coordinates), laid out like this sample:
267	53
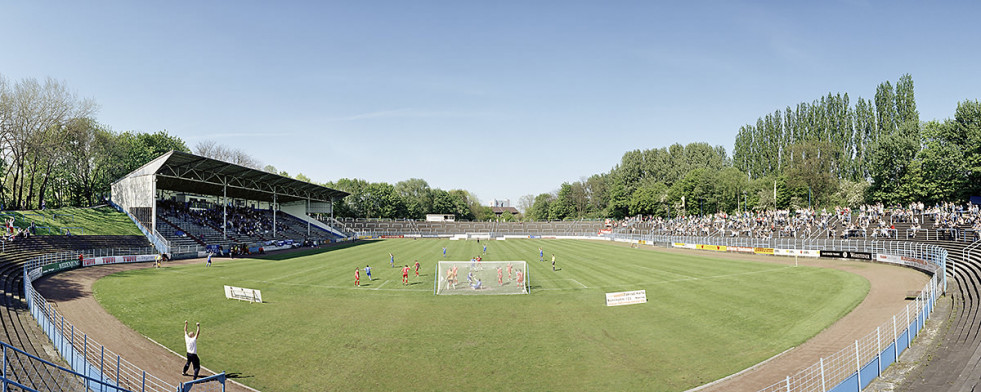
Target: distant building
498	211
440	218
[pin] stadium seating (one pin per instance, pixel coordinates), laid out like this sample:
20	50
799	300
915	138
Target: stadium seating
185	228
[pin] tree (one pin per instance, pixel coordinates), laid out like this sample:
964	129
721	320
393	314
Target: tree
539	210
940	167
561	208
356	203
464	204
597	192
525	203
966	131
32	117
809	171
382	201
905	101
649	200
892	155
211	149
417	196
885	108
442	202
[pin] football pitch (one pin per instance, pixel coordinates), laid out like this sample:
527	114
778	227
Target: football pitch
706	317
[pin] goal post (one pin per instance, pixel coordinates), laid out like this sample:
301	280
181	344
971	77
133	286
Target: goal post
481	278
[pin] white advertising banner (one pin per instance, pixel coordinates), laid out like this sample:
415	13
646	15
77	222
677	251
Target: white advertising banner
89	261
626	298
243	294
797	252
907	261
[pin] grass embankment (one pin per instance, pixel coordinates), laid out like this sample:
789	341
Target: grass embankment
80	221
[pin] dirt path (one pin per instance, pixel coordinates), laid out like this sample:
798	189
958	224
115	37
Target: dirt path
71	294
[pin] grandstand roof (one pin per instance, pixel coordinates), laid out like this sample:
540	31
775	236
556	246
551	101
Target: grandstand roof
184	172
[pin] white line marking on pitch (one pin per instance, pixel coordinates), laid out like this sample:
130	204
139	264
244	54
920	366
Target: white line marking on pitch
583	286
663	271
380	286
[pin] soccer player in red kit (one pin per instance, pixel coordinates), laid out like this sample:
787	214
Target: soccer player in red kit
405	275
417	268
500	276
357	276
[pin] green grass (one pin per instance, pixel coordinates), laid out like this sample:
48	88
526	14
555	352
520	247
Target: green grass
706	318
93	221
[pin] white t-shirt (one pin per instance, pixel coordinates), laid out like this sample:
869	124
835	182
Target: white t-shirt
191	343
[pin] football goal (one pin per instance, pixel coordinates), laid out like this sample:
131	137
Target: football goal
481	277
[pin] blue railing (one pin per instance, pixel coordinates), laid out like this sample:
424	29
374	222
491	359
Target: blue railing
28	372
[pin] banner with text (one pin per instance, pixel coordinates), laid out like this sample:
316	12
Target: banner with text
90	261
740	249
55	267
846	254
907	261
797	252
626	298
243	294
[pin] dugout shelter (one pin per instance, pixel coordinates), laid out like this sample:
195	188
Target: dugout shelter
178	175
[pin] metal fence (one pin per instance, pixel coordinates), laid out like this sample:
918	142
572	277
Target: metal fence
215	383
100	368
855	366
935	255
23	371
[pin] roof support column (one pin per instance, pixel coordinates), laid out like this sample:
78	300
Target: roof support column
224	208
275	206
153	207
307	213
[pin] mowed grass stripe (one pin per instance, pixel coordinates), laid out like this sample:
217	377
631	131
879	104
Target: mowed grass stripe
319	332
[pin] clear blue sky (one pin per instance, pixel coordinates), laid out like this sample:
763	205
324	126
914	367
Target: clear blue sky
500	98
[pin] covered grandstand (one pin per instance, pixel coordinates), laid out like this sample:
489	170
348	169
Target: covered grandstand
186	203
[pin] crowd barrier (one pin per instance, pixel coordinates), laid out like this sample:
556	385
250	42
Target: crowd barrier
23	371
855	366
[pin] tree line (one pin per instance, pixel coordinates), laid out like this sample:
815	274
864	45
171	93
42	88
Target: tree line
823	153
53	153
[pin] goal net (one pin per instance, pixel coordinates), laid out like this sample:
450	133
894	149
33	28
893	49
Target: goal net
481	277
